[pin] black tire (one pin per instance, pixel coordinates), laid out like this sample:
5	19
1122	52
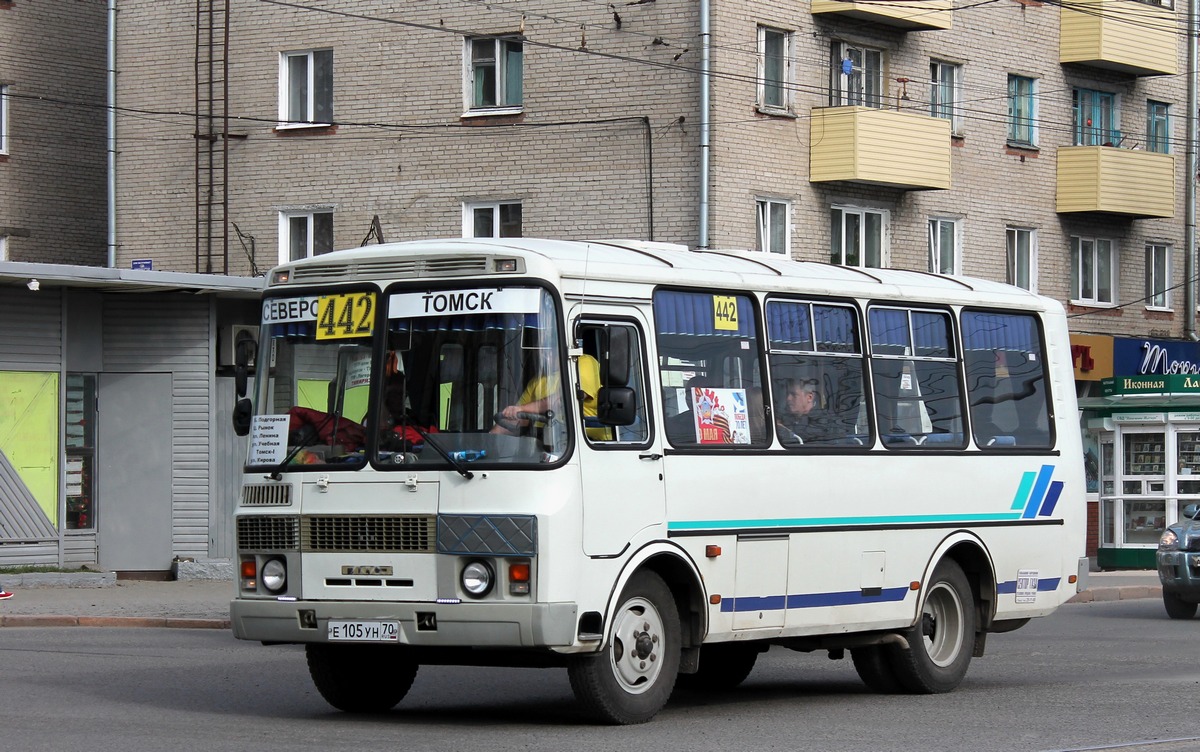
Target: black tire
941	641
631	679
874	664
360	678
723	666
1177	608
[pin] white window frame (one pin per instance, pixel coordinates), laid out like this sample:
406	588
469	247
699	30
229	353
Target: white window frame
1012	266
3	248
765	222
1153	105
1014	127
945	97
3	119
936	225
837	227
787	79
501	75
286	116
854	89
1088	273
285	231
468	217
1158	290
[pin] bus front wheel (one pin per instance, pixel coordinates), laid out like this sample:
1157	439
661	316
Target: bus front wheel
360	678
631	679
940	643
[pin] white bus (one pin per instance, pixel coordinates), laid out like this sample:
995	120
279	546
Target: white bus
648	465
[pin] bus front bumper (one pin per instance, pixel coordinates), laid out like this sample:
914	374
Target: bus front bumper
492	625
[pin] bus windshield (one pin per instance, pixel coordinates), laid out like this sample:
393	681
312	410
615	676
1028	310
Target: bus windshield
466	377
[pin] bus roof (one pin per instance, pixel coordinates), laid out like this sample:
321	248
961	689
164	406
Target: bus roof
655	263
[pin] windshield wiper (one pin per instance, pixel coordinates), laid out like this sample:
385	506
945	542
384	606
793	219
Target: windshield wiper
456	464
305	442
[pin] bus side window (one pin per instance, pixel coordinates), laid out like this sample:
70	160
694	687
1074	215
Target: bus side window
593	389
1006	380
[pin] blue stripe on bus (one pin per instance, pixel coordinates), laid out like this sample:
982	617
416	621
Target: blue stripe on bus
1051	499
899	519
1022	496
1038	493
1044	585
810	600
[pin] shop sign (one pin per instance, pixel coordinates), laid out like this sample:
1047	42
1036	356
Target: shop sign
1137	418
1092	355
1170	384
1184	417
1155	356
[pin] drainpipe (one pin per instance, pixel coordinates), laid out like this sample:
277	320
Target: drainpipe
112	133
705	65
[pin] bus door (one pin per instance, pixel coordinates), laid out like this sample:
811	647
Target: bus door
621	465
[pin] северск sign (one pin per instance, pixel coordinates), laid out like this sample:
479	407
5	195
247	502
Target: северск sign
1128	386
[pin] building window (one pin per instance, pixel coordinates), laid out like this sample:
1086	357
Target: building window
494	73
773	233
945	93
1158	127
80	445
497	219
305	234
3	119
1022	112
1095	118
857	76
306	88
945	246
1022	258
774	69
1158	275
3	248
1093	270
858	237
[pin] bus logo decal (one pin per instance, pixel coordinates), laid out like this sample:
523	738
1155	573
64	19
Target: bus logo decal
1037	495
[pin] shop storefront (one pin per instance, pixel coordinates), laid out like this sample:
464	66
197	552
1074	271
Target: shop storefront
1141	426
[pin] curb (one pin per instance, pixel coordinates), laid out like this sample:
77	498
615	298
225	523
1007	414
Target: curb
169	622
1122	593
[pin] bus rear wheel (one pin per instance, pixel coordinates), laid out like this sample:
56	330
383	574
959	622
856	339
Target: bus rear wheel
874	666
940	643
360	678
631	679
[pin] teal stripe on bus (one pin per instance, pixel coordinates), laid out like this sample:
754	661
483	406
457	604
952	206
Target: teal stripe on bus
1022	497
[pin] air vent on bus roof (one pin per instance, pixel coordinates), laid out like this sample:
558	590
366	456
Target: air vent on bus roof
383	268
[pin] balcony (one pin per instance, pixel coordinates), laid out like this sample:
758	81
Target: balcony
1128	182
1120	35
912	15
879	147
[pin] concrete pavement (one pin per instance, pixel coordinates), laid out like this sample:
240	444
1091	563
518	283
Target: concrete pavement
103	600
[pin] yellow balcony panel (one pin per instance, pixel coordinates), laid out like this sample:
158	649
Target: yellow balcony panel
1120	35
911	15
1133	183
879	147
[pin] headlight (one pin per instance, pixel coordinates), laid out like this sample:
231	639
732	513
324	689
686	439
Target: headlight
1168	540
274	575
477	578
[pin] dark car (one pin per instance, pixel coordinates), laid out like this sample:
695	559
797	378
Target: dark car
1179	564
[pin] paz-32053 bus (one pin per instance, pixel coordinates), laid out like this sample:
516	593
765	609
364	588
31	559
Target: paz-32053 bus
648	465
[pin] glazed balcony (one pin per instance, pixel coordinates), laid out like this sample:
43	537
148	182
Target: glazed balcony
912	15
1128	182
1120	35
879	147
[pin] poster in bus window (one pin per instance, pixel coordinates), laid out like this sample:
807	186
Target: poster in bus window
721	415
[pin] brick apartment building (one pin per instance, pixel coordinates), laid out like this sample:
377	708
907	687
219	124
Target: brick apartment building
1016	140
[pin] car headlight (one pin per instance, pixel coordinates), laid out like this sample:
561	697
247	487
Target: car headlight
274	575
478	578
1168	540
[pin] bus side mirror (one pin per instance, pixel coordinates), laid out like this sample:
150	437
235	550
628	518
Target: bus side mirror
614	365
243	411
616	406
244	353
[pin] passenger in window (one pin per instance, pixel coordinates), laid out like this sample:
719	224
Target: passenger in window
400	428
801	418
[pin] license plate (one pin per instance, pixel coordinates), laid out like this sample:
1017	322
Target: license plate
363	631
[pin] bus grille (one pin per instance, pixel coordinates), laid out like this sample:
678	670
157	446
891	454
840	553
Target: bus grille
419	267
410	534
268	533
267	495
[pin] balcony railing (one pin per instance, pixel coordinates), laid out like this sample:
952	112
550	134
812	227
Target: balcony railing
911	15
1128	182
879	147
1122	35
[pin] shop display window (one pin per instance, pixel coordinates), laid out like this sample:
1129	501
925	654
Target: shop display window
1145	454
1144	521
1188	443
1108	522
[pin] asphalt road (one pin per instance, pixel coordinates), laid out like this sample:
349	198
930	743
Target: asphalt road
1093	676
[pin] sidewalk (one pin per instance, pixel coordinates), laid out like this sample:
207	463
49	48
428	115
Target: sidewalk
104	601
